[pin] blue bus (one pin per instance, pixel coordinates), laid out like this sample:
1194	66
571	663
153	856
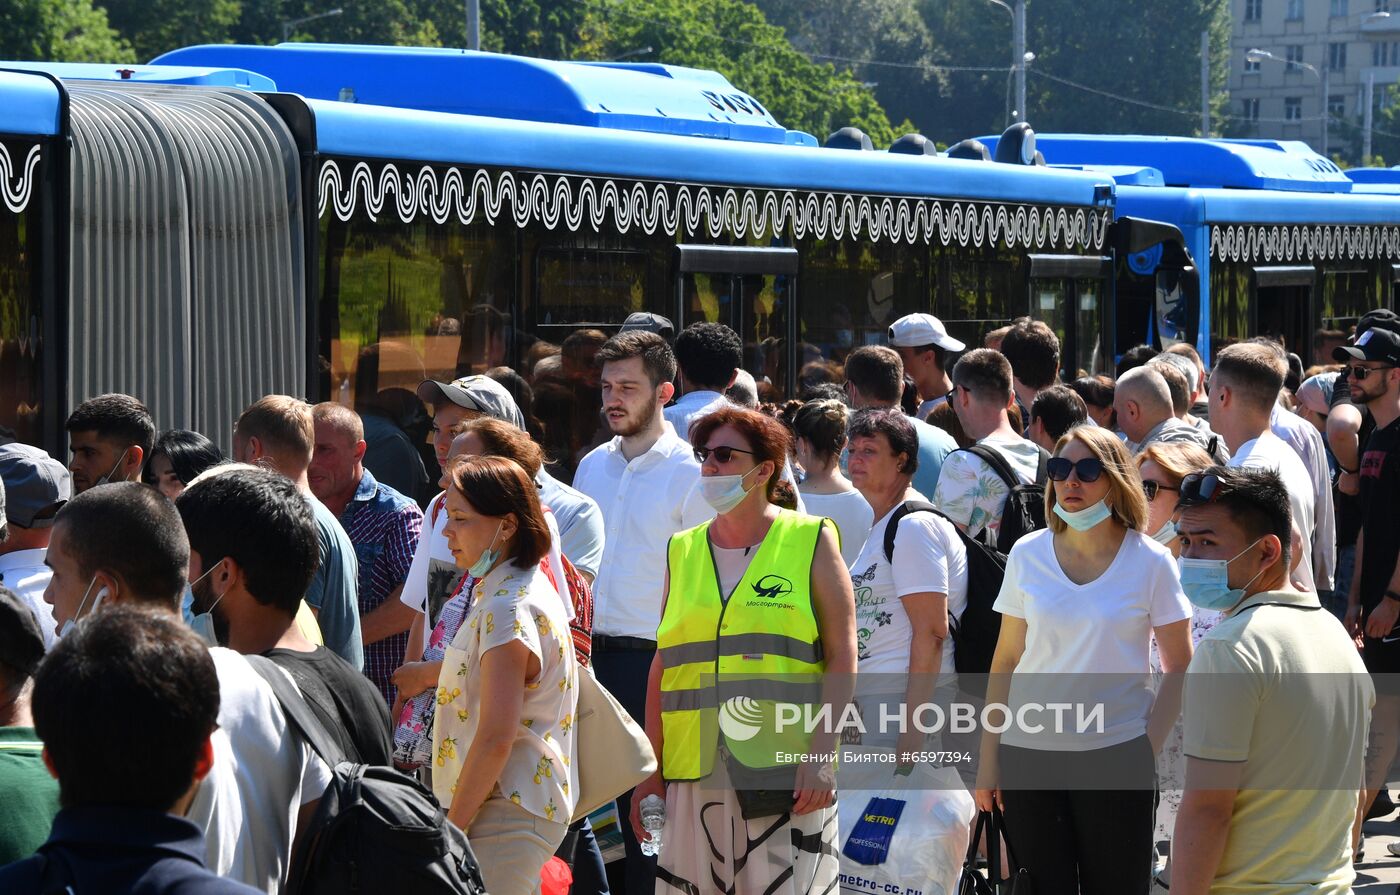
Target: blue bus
1285	243
340	222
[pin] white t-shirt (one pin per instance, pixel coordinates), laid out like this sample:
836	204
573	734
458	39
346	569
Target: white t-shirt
1268	451
852	515
1087	644
247	805
972	494
928	558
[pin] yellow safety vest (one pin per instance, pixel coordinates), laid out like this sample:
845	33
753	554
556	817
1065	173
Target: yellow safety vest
743	666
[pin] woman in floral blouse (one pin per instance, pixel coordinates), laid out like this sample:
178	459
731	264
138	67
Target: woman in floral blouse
503	738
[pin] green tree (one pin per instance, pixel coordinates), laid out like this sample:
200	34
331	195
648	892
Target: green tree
733	38
59	31
890	34
157	26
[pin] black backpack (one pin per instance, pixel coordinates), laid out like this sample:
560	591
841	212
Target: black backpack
1024	510
975	633
376	829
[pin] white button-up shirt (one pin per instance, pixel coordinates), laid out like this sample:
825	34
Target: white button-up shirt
690	407
1307	442
24	572
643	504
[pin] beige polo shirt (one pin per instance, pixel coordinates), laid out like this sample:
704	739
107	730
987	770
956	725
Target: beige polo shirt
1278	685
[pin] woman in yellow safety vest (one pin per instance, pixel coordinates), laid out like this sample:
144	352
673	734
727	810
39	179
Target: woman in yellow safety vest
757	628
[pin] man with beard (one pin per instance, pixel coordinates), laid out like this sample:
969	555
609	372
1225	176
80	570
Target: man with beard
641	480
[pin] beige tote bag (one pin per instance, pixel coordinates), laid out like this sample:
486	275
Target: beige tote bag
614	753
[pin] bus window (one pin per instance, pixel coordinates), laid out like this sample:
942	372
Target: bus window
1052	303
1346	295
980	290
1088	329
1230	318
1283	306
576	287
21	314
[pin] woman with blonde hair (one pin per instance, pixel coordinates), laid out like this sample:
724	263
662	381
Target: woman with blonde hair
1080	604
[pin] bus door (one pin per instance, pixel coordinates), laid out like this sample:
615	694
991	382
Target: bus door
1283	298
1067	294
1156	288
750	290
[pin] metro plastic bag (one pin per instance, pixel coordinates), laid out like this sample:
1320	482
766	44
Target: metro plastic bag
906	835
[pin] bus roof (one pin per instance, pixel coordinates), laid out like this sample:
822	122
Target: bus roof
1191	162
650	97
148	74
31	103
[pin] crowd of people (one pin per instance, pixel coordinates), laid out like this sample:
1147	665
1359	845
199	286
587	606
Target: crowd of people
1194	550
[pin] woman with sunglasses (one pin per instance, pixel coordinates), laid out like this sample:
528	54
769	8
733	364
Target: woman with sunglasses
1080	603
757	607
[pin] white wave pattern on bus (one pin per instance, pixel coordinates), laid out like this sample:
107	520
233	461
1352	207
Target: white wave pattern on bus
17	192
1322	242
575	202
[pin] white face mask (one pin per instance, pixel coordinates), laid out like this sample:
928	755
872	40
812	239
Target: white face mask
102	594
113	471
203	623
724	492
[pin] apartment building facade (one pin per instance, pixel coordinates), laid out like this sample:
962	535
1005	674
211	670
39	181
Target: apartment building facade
1308	49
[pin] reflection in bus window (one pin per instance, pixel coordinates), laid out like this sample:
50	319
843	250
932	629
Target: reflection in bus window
21	335
1087	356
1229	306
1346	295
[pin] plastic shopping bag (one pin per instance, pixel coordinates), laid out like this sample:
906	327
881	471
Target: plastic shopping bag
905	835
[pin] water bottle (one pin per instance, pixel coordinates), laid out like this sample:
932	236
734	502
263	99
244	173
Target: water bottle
653	819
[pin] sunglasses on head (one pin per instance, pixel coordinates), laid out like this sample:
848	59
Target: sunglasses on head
1089	469
723	453
1199	488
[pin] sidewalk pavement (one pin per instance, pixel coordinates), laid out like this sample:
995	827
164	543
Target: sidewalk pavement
1379	872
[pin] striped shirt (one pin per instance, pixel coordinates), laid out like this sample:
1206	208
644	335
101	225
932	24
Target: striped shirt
384	526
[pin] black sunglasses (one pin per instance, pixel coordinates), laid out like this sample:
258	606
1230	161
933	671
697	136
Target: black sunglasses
1152	489
1199	488
1360	373
1089	469
723	453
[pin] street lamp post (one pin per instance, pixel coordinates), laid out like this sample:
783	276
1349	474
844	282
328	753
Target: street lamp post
288	25
1019	57
1257	55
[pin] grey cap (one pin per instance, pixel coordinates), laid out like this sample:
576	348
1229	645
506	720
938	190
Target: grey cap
479	393
21	638
649	322
34	483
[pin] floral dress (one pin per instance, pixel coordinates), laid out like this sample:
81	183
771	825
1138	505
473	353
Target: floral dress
513	604
1171	763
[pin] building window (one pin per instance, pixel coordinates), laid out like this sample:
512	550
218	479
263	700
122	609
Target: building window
1295	11
1337	56
1294	55
1336	105
1252	66
1339	7
1254	10
1251	109
1293	108
1385	53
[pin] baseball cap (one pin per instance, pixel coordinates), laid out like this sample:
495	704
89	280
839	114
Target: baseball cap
652	323
34	483
480	393
1374	344
918	330
21	638
1380	318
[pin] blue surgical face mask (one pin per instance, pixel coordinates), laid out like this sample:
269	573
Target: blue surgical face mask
1166	534
72	623
1085	519
203	623
1207	581
488	556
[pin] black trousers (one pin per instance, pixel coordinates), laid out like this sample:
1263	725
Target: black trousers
624	673
1089	841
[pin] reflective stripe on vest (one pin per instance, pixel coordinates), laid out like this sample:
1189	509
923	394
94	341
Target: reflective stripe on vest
731	667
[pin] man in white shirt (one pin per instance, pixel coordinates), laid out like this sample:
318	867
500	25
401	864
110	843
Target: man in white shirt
969	491
33	488
709	356
641	480
1244	389
124	544
923	344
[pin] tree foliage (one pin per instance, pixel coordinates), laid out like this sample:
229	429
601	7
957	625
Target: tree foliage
59	31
